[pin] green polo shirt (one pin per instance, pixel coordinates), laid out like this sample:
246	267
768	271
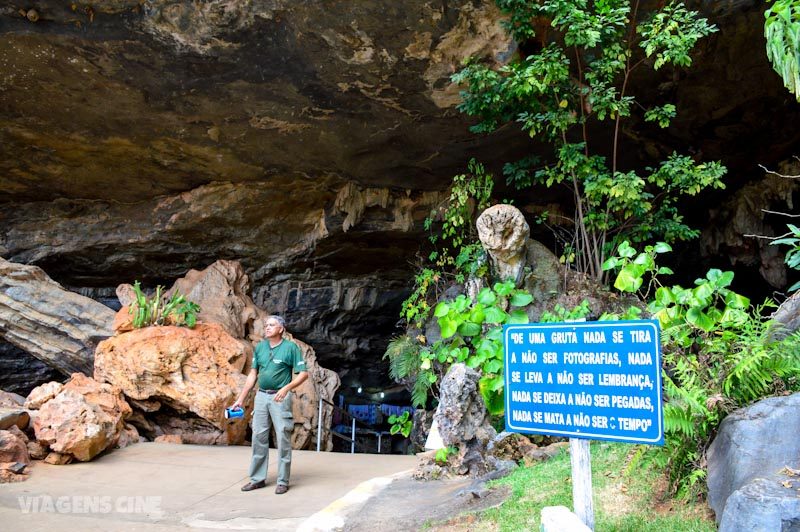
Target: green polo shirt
275	364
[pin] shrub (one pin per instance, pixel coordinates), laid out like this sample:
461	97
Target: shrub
155	310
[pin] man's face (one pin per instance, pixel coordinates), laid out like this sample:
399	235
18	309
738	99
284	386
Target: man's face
272	328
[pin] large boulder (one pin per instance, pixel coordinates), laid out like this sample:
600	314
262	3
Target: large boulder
43	393
11	399
194	371
753	447
85	418
57	326
763	505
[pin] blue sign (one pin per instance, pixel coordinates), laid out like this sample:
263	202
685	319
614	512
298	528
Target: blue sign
594	380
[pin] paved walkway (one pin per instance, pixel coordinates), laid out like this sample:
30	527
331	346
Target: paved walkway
163	487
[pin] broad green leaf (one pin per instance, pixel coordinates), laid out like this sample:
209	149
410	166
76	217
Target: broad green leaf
610	264
495	315
725	279
474	361
495	334
448	326
734	300
486	297
503	289
629	278
493	366
625	250
469	328
662	247
476	315
441	309
461	303
493	399
664	296
699	319
703	293
518	317
520	299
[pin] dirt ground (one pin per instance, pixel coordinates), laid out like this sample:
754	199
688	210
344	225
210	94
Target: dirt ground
408	504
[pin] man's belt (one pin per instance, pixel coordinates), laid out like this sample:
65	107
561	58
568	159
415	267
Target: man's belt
268	392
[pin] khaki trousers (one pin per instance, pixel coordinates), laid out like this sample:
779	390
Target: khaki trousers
267	412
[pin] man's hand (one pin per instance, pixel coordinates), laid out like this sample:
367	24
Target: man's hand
280	395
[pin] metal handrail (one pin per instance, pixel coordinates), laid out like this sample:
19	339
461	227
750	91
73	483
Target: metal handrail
354	420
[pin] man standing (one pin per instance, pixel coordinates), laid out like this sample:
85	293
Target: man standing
273	363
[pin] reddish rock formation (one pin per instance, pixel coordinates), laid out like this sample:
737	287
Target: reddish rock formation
13	448
43	393
83	420
321	383
189	370
223	292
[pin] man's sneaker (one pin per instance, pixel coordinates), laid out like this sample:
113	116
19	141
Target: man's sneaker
280	489
250	486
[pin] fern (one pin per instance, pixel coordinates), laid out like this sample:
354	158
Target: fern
708	374
403	355
782	32
422	385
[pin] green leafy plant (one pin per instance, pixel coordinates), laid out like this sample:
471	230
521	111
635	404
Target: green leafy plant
782	32
416	309
572	82
443	455
560	313
472	333
403	354
469	194
458	254
402	424
155	310
792	259
719	354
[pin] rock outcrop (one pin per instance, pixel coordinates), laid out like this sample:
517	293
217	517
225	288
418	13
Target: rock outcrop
748	461
14	456
322	383
223	292
192	371
309	143
463	421
55	325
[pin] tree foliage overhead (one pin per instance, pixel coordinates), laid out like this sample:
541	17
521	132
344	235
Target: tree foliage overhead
575	72
782	31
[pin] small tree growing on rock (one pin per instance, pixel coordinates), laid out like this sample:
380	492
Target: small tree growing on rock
570	87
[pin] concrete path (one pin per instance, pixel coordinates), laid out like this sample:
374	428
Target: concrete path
163	487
